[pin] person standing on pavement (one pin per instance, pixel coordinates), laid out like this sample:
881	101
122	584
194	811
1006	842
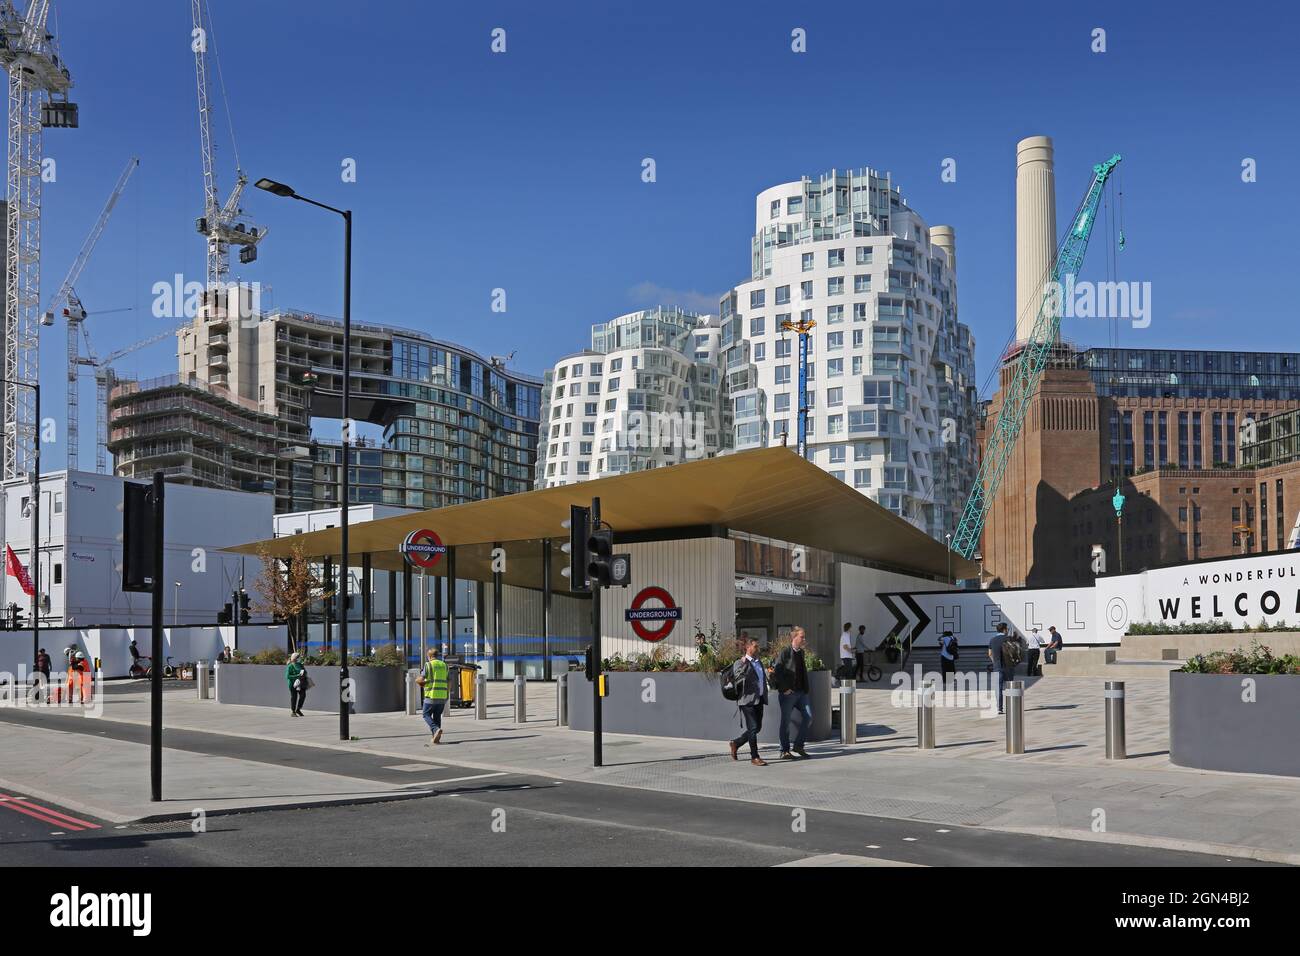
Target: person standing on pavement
1033	645
860	650
295	672
790	678
434	681
948	659
752	681
1001	662
41	672
847	663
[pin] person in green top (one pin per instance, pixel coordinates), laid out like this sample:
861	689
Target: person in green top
296	674
434	681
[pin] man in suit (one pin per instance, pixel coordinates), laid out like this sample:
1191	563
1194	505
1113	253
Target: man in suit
752	680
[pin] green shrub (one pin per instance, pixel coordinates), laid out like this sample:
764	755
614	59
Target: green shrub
269	655
1256	659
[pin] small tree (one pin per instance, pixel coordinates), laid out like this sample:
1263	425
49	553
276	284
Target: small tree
286	587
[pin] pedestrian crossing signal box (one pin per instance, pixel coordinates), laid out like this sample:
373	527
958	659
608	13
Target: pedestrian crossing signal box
603	685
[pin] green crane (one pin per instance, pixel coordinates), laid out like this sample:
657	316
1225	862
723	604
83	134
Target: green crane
1028	370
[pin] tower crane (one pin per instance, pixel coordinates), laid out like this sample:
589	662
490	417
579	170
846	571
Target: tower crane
38	97
802	328
75	313
104	379
1028	369
223	224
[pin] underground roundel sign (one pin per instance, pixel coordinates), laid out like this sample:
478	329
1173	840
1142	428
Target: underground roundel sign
423	549
653	605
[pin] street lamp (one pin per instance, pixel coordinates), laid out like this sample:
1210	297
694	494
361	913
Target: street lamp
948	537
280	189
34	550
1118	502
176	605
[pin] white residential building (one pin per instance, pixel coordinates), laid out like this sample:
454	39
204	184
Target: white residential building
648	393
891	379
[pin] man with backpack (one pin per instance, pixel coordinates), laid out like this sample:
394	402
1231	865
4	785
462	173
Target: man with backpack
750	688
790	678
1006	650
948	651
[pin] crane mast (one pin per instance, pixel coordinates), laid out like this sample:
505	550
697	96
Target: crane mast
222	224
76	315
1027	371
38	88
104	378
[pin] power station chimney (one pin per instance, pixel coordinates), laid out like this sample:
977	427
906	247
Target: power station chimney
1035	228
945	237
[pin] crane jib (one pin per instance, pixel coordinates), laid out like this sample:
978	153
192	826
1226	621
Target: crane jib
1029	371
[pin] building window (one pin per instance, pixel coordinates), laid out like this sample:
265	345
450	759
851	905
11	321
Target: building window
834	397
807	262
760	351
782	375
862	477
834	258
837	454
783	295
756	325
864	256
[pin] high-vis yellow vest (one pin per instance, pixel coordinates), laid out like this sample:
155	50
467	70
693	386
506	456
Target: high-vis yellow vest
435	680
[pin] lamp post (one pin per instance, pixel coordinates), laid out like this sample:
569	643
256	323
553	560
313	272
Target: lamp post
176	605
948	537
280	189
1118	502
34	550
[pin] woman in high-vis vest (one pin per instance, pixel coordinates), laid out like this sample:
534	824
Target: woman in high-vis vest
434	681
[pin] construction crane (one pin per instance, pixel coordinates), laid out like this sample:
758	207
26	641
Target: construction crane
38	97
802	328
223	224
1027	372
75	313
104	379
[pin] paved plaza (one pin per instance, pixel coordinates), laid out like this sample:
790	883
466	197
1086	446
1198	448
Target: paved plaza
1061	786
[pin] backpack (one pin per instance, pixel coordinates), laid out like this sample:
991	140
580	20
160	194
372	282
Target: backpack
1012	652
953	648
727	681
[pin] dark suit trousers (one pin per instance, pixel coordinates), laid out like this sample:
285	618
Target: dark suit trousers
753	715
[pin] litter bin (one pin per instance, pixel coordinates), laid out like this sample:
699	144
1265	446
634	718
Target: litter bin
460	677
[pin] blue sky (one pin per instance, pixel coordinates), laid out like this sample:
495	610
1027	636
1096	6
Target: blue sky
521	170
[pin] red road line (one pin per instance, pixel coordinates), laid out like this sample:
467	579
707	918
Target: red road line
39	816
86	824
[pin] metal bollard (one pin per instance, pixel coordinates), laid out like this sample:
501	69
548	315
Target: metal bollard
413	693
925	716
1116	747
480	696
562	701
848	715
1015	707
201	679
521	699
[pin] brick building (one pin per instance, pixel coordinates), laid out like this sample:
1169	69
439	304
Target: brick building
1161	422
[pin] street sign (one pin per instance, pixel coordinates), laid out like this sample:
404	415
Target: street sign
667	613
423	549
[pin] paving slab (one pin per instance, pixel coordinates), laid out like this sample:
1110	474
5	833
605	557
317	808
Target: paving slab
1064	788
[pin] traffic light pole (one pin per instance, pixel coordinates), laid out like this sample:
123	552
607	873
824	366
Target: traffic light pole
155	681
597	759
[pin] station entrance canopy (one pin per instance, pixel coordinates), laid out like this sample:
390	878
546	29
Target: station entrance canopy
769	492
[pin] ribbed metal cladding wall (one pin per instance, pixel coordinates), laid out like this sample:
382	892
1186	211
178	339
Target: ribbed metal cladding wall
521	621
700	575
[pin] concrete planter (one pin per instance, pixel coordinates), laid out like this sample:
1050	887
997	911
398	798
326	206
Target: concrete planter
1212	728
686	705
377	689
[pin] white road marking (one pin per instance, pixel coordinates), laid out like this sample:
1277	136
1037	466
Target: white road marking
477	776
844	859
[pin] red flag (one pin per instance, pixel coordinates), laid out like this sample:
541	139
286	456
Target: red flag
14	568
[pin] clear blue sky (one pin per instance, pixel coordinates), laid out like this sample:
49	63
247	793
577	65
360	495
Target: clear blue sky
522	170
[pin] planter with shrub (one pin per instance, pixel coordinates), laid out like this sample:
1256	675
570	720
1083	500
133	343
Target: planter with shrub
1236	710
661	696
258	679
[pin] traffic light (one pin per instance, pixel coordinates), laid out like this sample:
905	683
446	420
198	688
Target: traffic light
227	614
605	568
243	607
139	518
576	548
